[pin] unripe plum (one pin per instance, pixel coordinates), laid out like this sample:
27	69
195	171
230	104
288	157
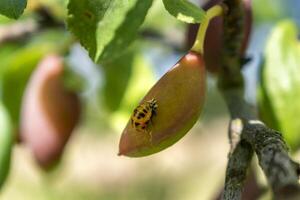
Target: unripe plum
49	112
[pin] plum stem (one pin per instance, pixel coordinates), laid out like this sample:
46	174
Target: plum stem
211	13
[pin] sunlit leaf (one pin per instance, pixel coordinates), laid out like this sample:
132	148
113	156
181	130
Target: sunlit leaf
106	28
280	90
184	10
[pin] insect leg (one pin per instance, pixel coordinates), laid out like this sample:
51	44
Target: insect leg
150	134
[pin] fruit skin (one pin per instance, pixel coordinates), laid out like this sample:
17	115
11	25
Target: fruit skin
180	96
6	143
49	112
213	39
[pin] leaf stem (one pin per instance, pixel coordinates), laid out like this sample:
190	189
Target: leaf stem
211	13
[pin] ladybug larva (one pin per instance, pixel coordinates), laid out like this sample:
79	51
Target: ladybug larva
142	116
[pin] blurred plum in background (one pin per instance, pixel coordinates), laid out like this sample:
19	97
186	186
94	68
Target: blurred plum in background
49	112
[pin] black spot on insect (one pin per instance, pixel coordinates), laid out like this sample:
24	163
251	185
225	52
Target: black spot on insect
141	115
154	112
135	111
145	111
136	124
143	127
147	122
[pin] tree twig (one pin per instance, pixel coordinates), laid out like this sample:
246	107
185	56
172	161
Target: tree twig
231	85
236	171
272	152
245	134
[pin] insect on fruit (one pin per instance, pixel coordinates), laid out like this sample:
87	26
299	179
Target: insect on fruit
142	116
180	94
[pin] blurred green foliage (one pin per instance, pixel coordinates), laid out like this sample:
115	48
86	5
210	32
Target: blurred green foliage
139	82
117	74
268	10
6	143
17	65
280	89
58	8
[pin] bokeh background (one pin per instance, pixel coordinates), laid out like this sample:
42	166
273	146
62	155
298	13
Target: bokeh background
192	169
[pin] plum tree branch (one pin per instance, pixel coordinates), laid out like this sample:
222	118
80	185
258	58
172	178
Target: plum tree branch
246	134
272	152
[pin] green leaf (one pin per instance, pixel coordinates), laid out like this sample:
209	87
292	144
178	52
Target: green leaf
280	82
106	28
6	143
184	11
117	74
12	8
18	66
266	112
140	81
